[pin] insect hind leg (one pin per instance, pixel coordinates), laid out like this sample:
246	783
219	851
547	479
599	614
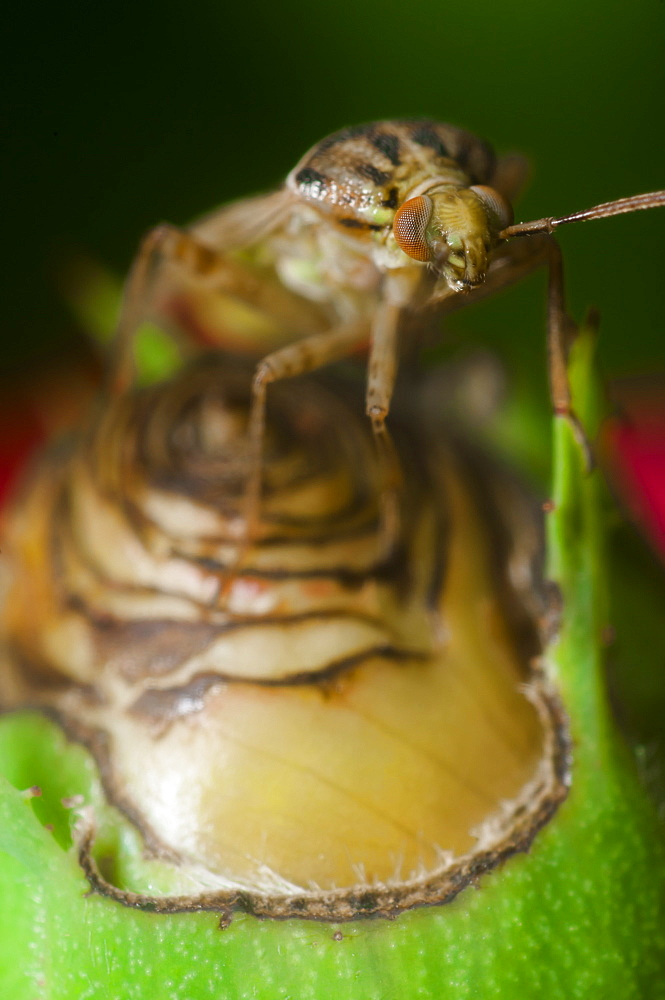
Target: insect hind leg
168	247
164	245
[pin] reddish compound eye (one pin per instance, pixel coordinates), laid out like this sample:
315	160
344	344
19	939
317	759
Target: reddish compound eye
409	227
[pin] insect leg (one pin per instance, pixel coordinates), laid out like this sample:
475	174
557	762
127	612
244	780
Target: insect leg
515	261
559	325
305	355
158	244
561	330
381	371
382	364
167	246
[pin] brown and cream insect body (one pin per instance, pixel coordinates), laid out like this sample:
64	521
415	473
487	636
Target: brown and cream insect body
377	222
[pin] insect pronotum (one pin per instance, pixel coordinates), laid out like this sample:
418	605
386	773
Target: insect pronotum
375	221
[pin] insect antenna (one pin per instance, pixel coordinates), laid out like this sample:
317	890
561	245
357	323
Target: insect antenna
635	203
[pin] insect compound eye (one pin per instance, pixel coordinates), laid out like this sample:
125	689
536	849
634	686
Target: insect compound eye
501	211
410	225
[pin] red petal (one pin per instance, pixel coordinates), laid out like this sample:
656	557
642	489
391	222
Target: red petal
635	454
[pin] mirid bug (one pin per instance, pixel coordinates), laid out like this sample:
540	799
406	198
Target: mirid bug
376	222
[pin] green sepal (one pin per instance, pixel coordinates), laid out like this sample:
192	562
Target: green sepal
580	916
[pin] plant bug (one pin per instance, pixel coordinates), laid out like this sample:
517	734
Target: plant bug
376	222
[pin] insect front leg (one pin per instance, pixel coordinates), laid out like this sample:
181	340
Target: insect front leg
561	331
514	261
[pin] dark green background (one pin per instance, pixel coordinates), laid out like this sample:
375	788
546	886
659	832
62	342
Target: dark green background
123	115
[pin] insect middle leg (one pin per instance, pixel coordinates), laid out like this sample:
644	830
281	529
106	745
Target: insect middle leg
314	352
303	356
381	372
322	349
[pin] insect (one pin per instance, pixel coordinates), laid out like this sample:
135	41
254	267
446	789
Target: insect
376	223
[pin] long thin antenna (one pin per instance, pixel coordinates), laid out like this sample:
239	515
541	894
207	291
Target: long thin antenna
636	203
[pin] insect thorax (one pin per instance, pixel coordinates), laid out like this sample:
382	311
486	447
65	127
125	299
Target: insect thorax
360	175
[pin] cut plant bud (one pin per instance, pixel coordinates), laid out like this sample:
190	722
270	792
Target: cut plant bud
331	720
